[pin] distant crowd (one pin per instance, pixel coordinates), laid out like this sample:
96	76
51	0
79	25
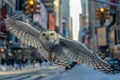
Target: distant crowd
20	62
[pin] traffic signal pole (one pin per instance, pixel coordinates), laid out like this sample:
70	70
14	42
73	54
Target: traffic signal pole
102	14
106	2
102	21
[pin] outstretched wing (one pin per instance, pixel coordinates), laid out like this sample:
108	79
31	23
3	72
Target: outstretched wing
78	52
23	31
26	33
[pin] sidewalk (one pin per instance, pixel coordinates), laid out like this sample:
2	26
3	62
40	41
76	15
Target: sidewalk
27	69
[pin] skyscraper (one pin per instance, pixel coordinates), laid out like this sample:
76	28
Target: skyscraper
65	17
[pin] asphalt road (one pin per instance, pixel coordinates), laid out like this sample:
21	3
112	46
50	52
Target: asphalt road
34	75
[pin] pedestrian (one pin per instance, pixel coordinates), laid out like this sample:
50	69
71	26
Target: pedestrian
12	61
34	61
8	60
24	60
3	60
19	63
40	60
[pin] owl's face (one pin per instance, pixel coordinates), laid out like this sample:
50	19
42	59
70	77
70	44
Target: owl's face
48	37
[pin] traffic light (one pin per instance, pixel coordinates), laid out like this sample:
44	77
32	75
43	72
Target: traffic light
102	13
102	10
36	8
32	7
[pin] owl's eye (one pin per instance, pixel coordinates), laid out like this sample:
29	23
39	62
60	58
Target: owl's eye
52	34
43	34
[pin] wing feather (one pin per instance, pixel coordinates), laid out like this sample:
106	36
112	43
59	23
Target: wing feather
75	51
82	54
24	32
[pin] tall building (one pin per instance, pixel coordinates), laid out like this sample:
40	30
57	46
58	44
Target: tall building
84	26
53	9
42	18
57	11
115	30
81	32
85	12
65	14
49	4
7	7
70	28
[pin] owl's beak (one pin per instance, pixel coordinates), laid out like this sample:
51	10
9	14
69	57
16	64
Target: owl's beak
47	38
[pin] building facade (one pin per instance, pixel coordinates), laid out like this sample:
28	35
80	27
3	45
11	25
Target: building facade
65	18
104	36
85	22
70	28
115	31
7	7
11	43
49	5
57	12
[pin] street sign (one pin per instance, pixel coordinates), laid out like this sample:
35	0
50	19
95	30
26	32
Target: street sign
101	33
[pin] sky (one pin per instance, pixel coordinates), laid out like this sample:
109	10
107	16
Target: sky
75	10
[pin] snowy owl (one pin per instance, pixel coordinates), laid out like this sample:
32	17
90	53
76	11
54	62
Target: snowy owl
56	49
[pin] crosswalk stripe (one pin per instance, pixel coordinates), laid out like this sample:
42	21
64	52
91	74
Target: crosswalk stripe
19	77
8	76
31	76
34	77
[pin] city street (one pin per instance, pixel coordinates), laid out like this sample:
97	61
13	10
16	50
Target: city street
33	74
37	75
79	72
59	39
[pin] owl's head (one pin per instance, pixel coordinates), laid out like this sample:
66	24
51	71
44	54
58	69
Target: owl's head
49	37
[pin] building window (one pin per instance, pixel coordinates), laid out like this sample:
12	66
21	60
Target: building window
117	36
20	4
118	17
9	9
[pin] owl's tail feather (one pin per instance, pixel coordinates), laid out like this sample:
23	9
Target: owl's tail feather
106	67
